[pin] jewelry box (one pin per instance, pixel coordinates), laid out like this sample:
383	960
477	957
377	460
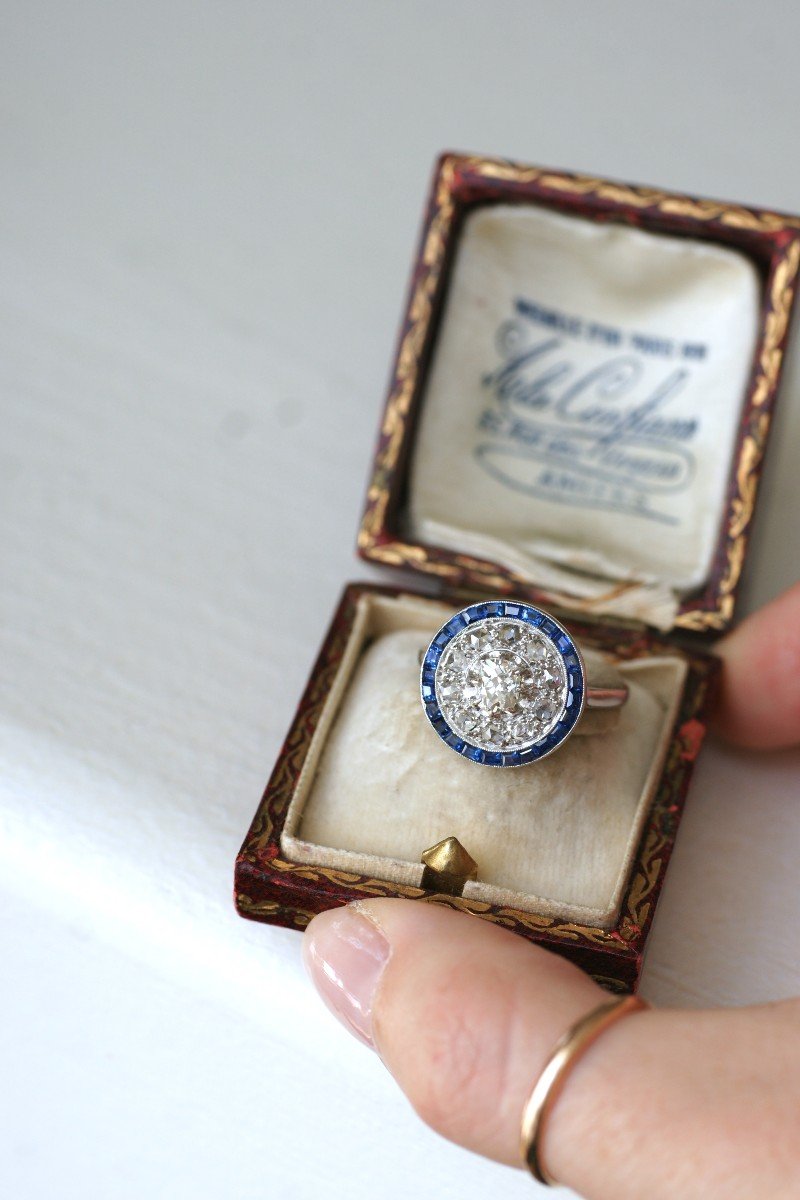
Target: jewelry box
577	417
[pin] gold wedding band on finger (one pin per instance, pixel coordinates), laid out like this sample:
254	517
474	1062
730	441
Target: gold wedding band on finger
548	1087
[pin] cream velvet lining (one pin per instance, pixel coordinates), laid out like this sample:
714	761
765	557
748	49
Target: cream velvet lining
555	838
580	411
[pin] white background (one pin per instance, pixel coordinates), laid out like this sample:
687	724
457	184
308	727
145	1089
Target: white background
208	214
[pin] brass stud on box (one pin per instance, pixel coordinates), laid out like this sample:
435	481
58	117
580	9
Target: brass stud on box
448	866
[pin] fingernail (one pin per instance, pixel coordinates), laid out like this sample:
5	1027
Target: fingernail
345	954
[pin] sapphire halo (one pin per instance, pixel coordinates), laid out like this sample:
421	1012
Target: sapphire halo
504	684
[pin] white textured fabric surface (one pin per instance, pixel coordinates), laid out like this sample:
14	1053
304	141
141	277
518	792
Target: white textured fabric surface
207	220
583	399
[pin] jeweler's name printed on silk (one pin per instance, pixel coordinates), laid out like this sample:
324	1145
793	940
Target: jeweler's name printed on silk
591	415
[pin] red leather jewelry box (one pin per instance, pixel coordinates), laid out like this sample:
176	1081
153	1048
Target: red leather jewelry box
577	417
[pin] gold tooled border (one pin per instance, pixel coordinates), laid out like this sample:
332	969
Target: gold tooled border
373	542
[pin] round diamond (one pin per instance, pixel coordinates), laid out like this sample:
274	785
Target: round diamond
501	684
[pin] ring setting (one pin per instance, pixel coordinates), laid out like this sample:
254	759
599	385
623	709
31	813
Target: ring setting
504	684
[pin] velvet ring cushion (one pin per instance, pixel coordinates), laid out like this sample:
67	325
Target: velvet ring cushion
558	838
584	393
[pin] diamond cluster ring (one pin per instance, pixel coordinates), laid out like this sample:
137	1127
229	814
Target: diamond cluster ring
504	684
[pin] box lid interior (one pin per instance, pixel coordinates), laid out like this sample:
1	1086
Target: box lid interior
584	402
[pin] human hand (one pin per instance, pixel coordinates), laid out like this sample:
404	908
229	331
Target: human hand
465	1014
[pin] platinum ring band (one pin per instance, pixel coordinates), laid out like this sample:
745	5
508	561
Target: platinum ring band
606	697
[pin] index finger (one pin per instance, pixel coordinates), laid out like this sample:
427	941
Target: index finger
759	698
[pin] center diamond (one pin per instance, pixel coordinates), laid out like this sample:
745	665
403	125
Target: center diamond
501	684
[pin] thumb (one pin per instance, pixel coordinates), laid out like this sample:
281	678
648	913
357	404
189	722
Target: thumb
465	1014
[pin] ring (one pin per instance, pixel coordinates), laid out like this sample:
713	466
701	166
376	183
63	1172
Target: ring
504	684
548	1087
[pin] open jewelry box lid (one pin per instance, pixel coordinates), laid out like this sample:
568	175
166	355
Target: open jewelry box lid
582	394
